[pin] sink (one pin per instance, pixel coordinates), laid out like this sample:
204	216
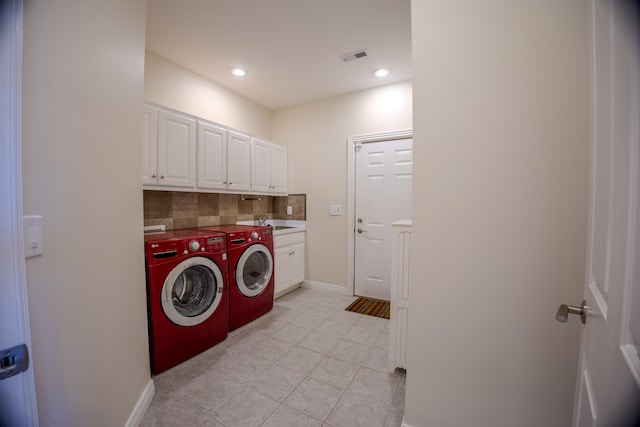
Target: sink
283	227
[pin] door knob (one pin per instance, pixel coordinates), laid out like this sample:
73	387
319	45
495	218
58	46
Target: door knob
562	315
360	230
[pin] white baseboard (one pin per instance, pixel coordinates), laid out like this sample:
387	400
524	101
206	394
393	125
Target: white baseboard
405	424
326	287
144	401
282	292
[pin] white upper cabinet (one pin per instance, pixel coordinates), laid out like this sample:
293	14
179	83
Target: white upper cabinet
238	161
279	169
168	145
176	149
149	145
269	167
260	169
183	151
212	156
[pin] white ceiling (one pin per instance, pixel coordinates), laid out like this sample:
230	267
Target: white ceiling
290	48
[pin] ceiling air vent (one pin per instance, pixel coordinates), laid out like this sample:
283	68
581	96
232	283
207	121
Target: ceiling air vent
353	55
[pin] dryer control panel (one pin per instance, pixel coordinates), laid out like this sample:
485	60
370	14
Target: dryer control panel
162	247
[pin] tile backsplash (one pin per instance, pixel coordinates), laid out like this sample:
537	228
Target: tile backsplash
178	210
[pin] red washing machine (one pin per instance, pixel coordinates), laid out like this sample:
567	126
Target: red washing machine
187	298
250	250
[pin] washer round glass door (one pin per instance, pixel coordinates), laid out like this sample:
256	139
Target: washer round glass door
254	270
192	291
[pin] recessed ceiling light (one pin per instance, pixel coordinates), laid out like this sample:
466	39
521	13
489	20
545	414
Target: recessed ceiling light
381	72
239	72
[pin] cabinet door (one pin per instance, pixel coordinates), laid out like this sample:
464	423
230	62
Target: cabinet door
238	161
279	169
261	166
149	145
281	269
212	156
176	149
296	260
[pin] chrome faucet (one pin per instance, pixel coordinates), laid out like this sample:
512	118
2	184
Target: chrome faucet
262	220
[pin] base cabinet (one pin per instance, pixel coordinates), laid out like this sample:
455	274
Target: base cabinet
288	263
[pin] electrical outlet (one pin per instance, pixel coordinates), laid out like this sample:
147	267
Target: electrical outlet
289	210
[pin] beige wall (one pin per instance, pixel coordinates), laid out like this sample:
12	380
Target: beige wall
500	210
82	99
174	86
316	134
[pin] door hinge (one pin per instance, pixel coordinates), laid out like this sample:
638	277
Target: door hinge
13	361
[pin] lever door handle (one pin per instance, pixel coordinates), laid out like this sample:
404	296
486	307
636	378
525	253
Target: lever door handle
360	230
13	361
562	315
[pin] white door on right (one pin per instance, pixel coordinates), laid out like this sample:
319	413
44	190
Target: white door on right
383	192
608	388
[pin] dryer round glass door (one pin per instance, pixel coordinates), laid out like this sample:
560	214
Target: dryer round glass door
192	291
254	270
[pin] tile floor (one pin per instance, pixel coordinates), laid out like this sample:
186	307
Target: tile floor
306	363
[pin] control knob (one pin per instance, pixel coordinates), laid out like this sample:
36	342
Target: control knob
194	245
254	234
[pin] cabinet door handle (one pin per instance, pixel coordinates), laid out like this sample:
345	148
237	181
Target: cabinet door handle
161	176
153	176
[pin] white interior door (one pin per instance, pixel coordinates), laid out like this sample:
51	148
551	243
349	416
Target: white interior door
383	188
607	392
17	393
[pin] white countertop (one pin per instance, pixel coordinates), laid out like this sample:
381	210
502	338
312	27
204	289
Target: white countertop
296	226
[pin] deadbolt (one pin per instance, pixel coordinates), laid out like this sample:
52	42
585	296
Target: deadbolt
359	220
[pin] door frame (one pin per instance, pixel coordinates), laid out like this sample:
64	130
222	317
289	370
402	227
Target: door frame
352	143
11	140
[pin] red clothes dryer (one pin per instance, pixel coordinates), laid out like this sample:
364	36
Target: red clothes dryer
250	250
187	294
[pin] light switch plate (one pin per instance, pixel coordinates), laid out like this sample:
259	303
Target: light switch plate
32	232
335	210
289	210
